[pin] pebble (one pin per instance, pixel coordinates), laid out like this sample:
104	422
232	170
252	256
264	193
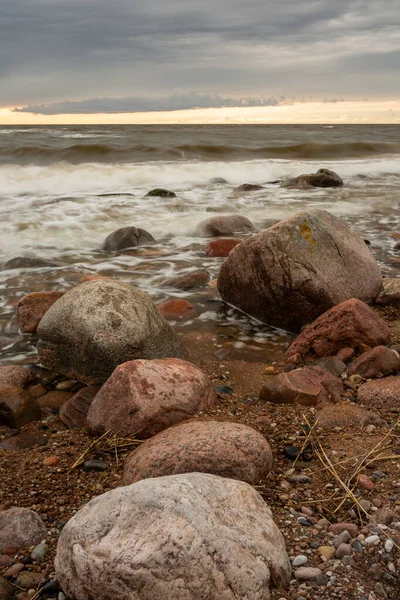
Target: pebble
65	385
376	572
95	465
348	561
62	596
39	552
358	547
389	544
379	590
51	461
343	550
303	521
299	561
342	538
306	511
307	573
365	483
371	539
327	552
337	528
13	570
300	479
50	587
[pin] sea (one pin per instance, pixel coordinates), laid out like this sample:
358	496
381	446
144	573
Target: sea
63	189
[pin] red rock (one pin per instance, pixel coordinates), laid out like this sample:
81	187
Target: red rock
36	391
249	187
73	412
32	308
377	362
20	527
17	407
26	439
177	309
337	528
55	399
309	386
143	397
14	570
6	561
9	550
51	461
381	393
15	375
221	248
223	448
346	354
365	483
188	281
347	324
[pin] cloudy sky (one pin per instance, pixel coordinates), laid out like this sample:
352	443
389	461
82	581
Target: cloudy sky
122	56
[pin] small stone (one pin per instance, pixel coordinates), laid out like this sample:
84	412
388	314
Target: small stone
51	461
376	572
371	539
50	587
306	511
299	561
348	561
307	573
29	579
389	544
300	479
303	521
343	550
6	590
358	547
380	591
327	552
14	570
337	528
365	483
95	465
342	538
62	596
390	580
64	386
39	552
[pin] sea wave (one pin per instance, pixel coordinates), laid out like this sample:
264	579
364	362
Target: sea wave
106	152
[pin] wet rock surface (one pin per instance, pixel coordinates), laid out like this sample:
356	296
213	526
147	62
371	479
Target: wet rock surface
126	237
291	273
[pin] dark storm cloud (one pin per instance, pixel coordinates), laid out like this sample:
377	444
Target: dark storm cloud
127	105
54	51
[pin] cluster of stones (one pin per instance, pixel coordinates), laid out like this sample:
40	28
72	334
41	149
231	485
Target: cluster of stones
187	521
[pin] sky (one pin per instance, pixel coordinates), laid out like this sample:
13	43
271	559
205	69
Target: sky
128	60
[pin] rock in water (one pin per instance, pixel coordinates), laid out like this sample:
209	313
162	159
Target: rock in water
225	225
32	308
126	237
99	325
143	397
322	178
203	446
291	273
194	536
20	528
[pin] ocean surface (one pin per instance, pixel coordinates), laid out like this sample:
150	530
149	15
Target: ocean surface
63	189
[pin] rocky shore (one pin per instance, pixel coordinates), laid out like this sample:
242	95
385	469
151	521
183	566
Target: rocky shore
135	465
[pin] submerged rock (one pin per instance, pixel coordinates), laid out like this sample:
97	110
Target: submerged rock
26	262
177	308
322	178
161	193
99	325
249	187
188	281
289	274
203	446
224	225
194	536
126	237
221	248
144	397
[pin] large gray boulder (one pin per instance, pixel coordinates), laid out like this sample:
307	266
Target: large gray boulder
194	536
294	271
99	325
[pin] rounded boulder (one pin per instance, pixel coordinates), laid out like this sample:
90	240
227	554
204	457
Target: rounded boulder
127	237
294	271
194	536
224	225
20	528
223	448
143	397
99	325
